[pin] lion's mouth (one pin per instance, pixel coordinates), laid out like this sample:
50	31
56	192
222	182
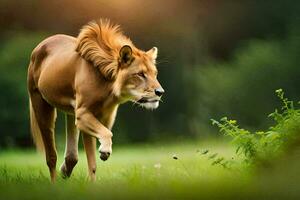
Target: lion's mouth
145	100
148	103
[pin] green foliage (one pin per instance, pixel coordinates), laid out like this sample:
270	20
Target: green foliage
264	146
14	58
241	88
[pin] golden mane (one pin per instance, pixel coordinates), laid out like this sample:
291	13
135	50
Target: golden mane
100	42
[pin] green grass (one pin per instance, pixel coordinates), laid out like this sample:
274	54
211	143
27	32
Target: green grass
138	172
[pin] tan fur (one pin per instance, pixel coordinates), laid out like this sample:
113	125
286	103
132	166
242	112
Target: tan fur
87	77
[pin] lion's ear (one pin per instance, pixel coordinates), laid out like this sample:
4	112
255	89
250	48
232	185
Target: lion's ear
152	53
126	55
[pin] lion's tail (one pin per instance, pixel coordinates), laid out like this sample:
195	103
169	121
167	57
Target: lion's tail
35	129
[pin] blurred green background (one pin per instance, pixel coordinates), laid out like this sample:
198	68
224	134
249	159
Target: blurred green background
216	58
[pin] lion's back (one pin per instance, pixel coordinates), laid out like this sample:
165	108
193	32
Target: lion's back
55	44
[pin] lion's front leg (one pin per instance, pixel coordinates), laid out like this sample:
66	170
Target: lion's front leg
105	148
89	124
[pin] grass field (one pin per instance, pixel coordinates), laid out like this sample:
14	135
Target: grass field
144	172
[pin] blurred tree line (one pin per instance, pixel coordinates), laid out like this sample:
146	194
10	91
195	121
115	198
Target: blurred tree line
215	58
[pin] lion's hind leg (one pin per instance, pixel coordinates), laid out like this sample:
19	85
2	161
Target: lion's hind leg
44	115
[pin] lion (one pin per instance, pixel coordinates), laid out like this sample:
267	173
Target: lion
87	78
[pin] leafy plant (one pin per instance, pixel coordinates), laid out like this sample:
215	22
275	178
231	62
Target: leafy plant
264	146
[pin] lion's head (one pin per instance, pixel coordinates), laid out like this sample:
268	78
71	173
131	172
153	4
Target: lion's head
131	70
137	77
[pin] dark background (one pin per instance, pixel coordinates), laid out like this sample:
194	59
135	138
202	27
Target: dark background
216	58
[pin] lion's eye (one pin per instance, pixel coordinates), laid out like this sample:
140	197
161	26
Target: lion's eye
141	74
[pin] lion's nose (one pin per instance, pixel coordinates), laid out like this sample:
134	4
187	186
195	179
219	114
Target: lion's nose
159	91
